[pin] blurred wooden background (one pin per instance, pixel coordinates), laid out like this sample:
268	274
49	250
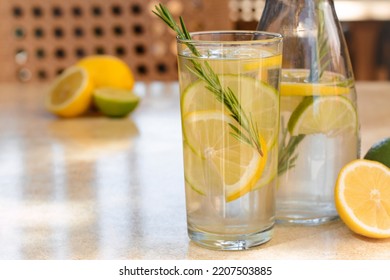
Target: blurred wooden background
40	38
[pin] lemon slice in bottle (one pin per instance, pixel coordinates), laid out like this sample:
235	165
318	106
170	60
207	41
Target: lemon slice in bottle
295	83
330	115
238	165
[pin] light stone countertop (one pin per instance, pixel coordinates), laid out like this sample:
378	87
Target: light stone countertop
99	188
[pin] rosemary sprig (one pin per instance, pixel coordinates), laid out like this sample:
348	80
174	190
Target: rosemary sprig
320	59
287	156
248	133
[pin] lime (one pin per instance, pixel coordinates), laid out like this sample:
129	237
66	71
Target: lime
71	93
257	99
238	165
115	102
330	115
362	198
380	152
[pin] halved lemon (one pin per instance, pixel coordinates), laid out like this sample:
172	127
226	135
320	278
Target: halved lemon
71	93
330	115
237	165
362	198
257	99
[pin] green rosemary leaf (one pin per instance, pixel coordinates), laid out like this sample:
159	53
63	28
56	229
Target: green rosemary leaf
287	152
239	135
183	27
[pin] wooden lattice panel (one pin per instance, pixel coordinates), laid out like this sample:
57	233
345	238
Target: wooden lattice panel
40	38
246	10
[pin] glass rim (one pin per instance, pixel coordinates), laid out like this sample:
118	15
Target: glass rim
274	37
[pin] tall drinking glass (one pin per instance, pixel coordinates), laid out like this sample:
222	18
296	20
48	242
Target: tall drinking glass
229	88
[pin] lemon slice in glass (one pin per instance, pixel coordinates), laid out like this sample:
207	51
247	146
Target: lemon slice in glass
196	173
238	165
257	99
268	61
330	115
71	93
362	198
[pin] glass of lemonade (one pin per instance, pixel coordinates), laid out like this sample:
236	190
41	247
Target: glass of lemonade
229	89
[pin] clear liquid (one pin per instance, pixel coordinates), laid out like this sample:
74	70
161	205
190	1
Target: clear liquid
247	220
305	192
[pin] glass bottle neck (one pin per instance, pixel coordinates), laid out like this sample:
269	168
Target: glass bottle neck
283	15
312	35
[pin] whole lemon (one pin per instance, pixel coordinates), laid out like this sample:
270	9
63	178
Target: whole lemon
108	71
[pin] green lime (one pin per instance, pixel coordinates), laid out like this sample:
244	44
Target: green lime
115	102
380	152
329	115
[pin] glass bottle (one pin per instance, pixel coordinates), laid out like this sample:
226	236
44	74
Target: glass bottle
319	128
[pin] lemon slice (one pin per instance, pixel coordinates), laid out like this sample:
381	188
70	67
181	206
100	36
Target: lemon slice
267	62
362	198
71	93
270	171
295	82
198	172
238	165
308	89
263	61
330	115
257	99
115	102
108	71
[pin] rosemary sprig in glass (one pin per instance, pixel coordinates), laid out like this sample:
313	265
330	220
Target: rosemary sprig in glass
247	132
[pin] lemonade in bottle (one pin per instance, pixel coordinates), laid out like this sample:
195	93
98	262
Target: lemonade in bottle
230	118
319	129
